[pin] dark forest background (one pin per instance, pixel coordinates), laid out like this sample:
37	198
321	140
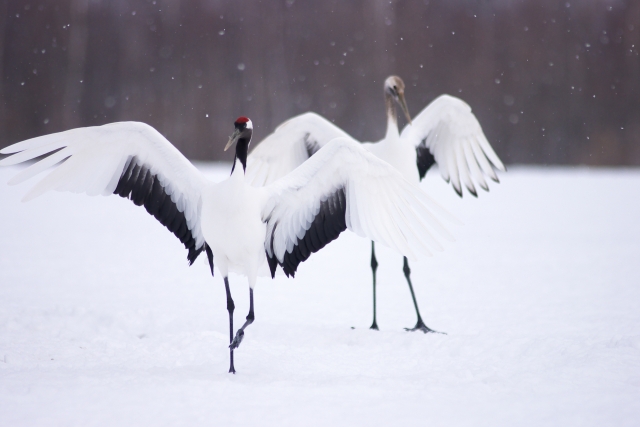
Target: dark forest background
552	82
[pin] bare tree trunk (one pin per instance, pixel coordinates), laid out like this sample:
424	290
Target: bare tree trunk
384	18
3	112
170	44
76	52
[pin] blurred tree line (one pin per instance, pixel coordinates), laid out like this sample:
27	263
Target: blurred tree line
552	82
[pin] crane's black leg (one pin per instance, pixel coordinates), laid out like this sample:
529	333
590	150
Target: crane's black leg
230	307
250	318
420	326
374	267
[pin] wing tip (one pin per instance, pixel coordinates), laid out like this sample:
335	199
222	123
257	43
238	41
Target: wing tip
6	151
29	197
14	181
273	265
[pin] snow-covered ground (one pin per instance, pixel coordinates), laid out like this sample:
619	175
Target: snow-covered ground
103	323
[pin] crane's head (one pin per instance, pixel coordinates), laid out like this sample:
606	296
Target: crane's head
394	87
241	136
243	130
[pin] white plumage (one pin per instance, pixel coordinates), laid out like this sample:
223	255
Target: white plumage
445	129
379	202
445	132
452	134
94	159
239	226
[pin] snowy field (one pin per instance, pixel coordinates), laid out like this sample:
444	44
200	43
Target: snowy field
102	323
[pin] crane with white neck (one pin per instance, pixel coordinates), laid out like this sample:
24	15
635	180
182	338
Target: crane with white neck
445	133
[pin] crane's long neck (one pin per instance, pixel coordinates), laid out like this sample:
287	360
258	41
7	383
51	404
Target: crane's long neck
392	117
242	149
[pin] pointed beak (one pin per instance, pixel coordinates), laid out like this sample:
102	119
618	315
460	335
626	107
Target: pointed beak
232	139
403	105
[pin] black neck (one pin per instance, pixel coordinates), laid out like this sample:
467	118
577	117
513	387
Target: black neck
242	149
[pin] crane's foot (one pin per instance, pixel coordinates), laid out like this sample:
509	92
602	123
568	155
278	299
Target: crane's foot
420	326
374	326
236	341
232	369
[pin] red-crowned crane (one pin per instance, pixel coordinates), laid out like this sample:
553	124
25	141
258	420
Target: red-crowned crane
238	225
445	132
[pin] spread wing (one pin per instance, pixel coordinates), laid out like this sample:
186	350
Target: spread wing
447	133
344	186
130	159
293	142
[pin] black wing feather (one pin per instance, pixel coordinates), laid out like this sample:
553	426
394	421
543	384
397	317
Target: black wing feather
311	145
138	184
424	158
326	227
209	257
273	261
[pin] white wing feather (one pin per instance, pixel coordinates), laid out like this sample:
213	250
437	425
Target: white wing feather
380	204
451	132
288	147
95	160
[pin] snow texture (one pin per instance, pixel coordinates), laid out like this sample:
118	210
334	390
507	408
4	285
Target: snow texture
102	322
